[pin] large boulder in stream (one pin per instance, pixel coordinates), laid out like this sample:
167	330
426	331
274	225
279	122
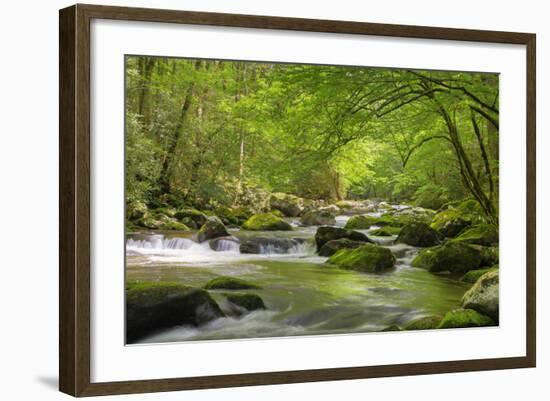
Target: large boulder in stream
289	205
212	228
483	296
230	283
331	247
325	234
318	218
368	258
460	318
481	234
455	257
473	275
263	245
418	234
248	302
151	306
266	222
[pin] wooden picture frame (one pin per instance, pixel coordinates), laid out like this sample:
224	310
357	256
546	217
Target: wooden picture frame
74	203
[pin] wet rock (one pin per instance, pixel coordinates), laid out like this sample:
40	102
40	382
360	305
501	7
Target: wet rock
464	318
423	323
483	296
473	275
191	217
318	218
331	247
221	244
266	222
367	258
455	257
151	306
249	302
481	234
449	222
289	205
418	234
325	234
361	222
212	228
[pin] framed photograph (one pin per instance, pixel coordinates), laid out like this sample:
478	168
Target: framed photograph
250	200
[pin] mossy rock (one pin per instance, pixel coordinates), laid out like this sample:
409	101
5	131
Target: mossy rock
159	221
191	217
472	210
473	275
464	318
212	228
233	216
266	222
230	283
481	234
318	218
430	199
360	222
250	302
449	222
418	234
331	247
289	205
151	306
135	210
423	323
387	231
367	258
277	213
455	257
392	327
483	297
325	234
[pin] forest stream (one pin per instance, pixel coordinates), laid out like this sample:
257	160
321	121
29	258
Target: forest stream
302	294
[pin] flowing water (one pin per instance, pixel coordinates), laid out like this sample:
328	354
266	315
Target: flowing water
303	295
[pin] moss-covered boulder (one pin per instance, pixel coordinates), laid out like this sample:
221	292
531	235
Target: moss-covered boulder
449	222
481	234
289	205
191	217
473	275
233	216
230	283
156	220
135	210
367	258
402	217
387	231
249	302
455	257
483	296
360	222
318	218
264	245
418	234
212	228
331	247
464	318
325	234
266	222
423	323
151	306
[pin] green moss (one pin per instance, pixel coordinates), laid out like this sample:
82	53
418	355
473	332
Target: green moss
360	222
482	234
153	291
247	301
454	257
473	275
175	225
387	231
277	213
266	222
233	216
229	283
326	234
424	323
418	234
367	258
465	318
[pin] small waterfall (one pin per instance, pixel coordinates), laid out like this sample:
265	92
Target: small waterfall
227	246
159	242
298	248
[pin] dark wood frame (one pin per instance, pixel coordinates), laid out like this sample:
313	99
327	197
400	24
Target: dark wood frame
74	199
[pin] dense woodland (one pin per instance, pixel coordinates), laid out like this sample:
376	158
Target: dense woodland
210	134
